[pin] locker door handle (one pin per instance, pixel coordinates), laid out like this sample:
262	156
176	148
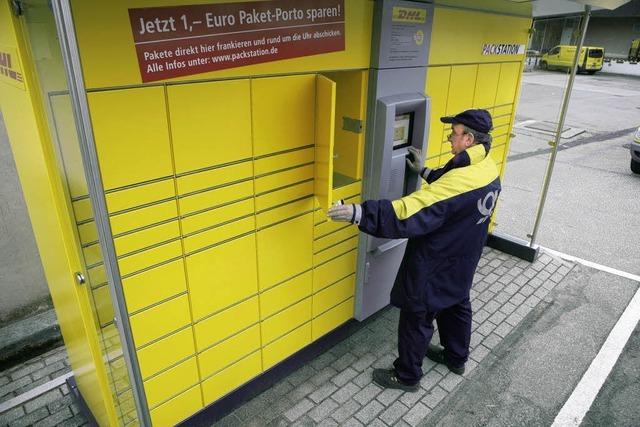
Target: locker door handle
80	280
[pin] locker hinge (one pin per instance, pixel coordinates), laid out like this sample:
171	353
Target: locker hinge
352	125
18	7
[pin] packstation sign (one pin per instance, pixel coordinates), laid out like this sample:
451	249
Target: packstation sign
186	40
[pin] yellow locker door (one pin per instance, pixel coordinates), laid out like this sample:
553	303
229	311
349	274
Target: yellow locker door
325	128
461	92
486	85
438	90
509	77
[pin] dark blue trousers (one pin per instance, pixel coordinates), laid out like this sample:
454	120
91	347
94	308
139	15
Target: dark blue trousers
414	334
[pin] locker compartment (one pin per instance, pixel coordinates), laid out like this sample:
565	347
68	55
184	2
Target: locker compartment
140	195
165	352
328	227
284	196
104	307
438	90
286	320
155	285
226	323
143	217
503	109
160	320
131	135
334	238
461	88
229	351
214	177
284	347
273	163
82	210
221	276
281	179
334	270
284	212
333	295
332	319
145	259
283	111
215	197
335	251
88	233
231	378
147	237
177	409
499	140
92	254
486	85
497	153
217	216
171	382
509	76
285	294
210	123
284	250
218	234
502	120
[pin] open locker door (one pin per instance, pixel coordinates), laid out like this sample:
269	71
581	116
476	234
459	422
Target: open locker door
325	130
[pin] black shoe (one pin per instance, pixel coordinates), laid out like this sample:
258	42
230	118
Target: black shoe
436	354
386	378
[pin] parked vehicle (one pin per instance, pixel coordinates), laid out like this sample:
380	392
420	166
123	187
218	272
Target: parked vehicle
635	152
634	50
561	57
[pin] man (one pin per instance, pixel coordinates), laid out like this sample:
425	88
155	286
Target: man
446	225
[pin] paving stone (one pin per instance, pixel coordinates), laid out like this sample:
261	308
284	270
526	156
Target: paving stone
79	420
54	419
10	415
479	353
323	376
345	393
511	289
523	310
514	319
323	410
344	362
60	403
492	340
508	308
328	422
470	366
43	400
502	297
344	377
323	360
394	412
31	418
301	375
435	396
529	273
416	414
24	369
369	412
275	409
364	362
481	316
441	369
532	301
58	354
527	290
363	379
491	306
32	385
367	394
485	296
298	410
450	381
323	392
282	388
344	412
410	399
517	299
352	422
9	389
497	317
4	379
475	340
303	422
521	280
301	391
388	396
486	328
251	409
503	329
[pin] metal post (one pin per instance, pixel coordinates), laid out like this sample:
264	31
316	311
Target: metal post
71	58
563	113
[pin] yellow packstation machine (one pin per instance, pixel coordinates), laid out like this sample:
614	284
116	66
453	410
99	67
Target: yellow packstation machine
177	159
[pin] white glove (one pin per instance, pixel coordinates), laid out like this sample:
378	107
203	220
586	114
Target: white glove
347	213
415	164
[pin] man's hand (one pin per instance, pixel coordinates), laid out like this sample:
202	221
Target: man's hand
415	164
348	213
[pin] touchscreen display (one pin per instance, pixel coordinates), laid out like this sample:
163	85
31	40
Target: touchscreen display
402	130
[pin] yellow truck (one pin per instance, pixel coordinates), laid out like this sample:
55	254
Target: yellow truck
561	57
634	50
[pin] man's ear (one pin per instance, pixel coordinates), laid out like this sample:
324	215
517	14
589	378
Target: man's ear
469	141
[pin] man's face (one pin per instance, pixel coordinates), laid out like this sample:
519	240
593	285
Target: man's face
459	140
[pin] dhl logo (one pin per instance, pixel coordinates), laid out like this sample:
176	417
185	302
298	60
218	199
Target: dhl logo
408	14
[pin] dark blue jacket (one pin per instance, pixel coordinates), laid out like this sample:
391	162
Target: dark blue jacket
446	223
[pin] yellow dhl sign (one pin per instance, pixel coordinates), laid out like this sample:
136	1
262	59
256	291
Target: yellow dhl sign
409	14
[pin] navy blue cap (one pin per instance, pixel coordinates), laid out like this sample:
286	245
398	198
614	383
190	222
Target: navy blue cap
478	120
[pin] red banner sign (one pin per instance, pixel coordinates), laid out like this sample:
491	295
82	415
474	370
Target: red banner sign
179	41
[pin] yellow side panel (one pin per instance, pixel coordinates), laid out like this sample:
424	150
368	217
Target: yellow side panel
97	276
333	295
278	162
155	285
131	134
147	237
140	195
215	197
509	78
88	233
334	270
281	296
226	323
177	409
82	210
143	217
332	319
150	257
214	177
461	88
486	85
222	275
284	347
286	320
218	234
227	352
213	217
231	378
284	250
438	90
283	113
104	307
160	320
210	123
325	129
171	382
166	352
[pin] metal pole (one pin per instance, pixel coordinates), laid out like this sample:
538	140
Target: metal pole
563	113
